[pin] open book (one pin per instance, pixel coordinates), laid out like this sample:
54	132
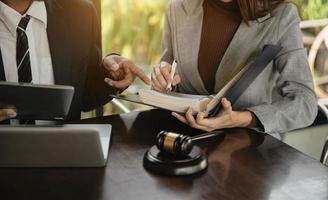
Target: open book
180	103
211	104
172	101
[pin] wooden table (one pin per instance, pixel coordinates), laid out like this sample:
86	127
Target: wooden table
238	169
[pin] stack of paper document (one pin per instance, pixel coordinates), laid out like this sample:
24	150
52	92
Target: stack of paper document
174	101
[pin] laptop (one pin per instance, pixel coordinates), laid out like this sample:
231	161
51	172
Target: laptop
80	145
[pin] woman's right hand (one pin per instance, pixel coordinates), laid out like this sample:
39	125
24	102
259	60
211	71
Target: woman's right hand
161	77
7	114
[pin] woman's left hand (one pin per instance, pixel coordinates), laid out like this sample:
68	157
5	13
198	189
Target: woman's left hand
227	118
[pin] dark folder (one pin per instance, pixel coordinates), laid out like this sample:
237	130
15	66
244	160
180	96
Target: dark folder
255	69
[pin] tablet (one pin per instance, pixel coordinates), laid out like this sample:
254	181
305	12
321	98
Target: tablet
36	102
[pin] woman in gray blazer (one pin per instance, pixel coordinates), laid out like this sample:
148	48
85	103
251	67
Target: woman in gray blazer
210	46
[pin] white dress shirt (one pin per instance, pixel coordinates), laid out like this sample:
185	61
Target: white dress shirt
41	63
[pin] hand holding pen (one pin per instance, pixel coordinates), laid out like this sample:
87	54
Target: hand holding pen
164	77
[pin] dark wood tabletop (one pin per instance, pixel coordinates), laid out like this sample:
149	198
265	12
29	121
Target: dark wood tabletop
242	165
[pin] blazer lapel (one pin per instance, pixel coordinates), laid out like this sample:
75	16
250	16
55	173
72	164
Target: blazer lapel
247	42
2	69
188	38
58	40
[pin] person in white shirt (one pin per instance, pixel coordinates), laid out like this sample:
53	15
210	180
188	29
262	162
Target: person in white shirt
58	42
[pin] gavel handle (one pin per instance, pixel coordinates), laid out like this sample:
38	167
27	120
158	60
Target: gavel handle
206	135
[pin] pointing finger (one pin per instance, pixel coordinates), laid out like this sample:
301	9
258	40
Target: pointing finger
138	72
143	76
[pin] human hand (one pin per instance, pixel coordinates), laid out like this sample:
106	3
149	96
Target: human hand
227	118
161	77
122	72
7	114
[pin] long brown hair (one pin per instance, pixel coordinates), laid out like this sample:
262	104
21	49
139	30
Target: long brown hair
254	9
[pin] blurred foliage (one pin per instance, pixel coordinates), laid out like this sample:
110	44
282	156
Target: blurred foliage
133	28
312	9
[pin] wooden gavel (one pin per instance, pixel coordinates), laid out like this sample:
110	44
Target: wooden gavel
178	144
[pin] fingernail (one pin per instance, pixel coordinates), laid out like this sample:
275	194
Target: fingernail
157	71
109	82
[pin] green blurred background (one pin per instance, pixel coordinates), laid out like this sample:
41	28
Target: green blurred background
312	9
133	28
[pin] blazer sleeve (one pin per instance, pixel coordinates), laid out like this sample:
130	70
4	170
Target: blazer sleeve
96	91
295	106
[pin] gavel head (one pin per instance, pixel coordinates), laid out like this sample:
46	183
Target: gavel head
174	143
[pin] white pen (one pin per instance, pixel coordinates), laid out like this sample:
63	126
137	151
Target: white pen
174	67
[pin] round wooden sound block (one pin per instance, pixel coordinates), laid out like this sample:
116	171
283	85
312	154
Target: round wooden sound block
166	164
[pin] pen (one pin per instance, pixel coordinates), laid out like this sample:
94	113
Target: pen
174	67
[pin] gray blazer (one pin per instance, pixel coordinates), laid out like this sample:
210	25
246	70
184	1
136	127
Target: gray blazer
282	97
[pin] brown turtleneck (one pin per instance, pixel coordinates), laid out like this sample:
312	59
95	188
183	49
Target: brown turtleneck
220	23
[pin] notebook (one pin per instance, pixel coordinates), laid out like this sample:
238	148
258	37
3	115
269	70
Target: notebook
180	103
